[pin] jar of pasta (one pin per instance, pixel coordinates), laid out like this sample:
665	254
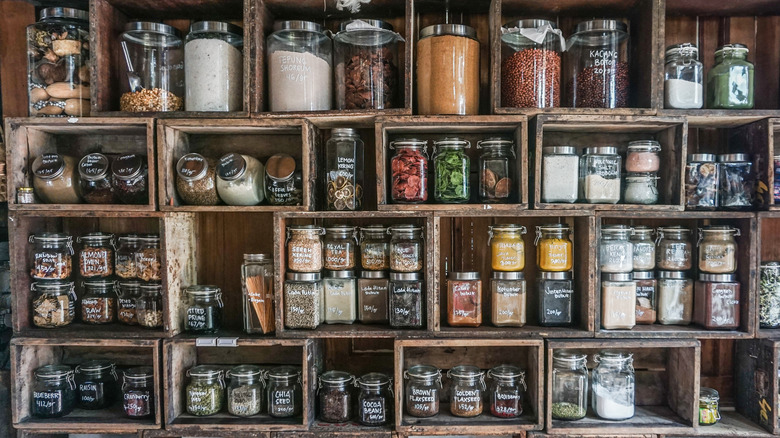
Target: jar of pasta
718	249
553	248
506	247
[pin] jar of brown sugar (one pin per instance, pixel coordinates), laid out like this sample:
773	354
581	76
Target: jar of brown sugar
339	244
718	249
304	248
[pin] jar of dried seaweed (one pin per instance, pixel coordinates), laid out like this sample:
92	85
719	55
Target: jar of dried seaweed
407	248
423	387
149	306
97	384
374	248
127	293
205	393
52	256
54	303
196	180
55	179
95	180
496	170
148	260
769	295
344	170
96	258
203	309
304	248
98	304
285	392
129	176
283	182
375	402
339	245
245	392
126	248
702	176
466	391
54	392
335	396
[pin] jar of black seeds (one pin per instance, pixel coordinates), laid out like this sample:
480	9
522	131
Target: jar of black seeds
285	392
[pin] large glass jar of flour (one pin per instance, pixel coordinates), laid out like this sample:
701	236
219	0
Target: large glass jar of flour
300	67
213	67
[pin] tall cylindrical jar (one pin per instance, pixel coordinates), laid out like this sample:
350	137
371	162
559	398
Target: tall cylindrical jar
569	385
214	67
508	302
496	170
614	385
683	77
618	301
531	64
344	170
257	281
730	81
452	169
769	295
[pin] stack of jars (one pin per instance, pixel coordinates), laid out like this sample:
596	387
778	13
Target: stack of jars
337	399
554	262
618	290
729	183
717	292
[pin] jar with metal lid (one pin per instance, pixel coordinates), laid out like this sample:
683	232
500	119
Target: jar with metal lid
202	312
245	392
717	299
569	385
718	249
129	174
55	179
464	299
422	390
196	180
675	298
496	170
58	63
407	248
303	300
730	81
98	304
555	294
127	293
531	64
507	249
97	384
598	73
409	171
53	392
149	306
154	57
643	156
506	391
335	396
406	300
300	67
376	400
51	257
366	58
95	181
709	412
616	252
641	188
646	287
554	247
683	77
618	301
644	248
374	248
148	259
26	195
508	299
702	182
304	248
373	297
775	189
340	297
205	392
560	174
214	67
737	181
240	179
96	257
467	390
451	170
344	170
257	285
600	175
138	392
285	392
614	385
673	248
447	70
769	295
54	303
339	245
124	264
283	181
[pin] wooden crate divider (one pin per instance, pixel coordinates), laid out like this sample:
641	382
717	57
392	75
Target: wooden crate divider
767	250
756	382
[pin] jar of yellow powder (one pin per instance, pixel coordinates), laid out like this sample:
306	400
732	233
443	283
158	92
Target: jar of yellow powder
554	247
506	247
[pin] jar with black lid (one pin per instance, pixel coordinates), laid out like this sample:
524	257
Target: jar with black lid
54	392
55	179
196	180
335	396
375	402
97	384
129	179
283	181
285	393
138	392
95	180
422	390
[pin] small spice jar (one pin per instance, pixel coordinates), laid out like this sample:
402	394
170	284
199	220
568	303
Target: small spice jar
769	295
339	245
618	301
304	248
407	248
98	304
717	301
569	385
240	179
127	293
149	306
675	298
138	392
54	303
54	392
644	248
451	171
555	291
683	77
616	252
373	297
406	300
422	390
531	64
496	167
335	396
409	168
203	309
646	287
26	195
641	188
129	176
702	182
96	257
466	390
673	248
344	153
560	174
257	284
737	181
205	393
285	393
506	391
94	179
245	392
126	248
303	300
508	299
375	401
643	156
718	249
709	412
52	256
340	297
97	384
213	67
600	175
464	299
730	81
614	385
554	247
507	249
148	260
283	181
374	248
55	179
196	180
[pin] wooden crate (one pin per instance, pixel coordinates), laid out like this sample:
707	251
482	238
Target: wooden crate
487	434
667	387
483	353
473	129
182	353
586	131
32	434
463	246
547	435
756	382
31	137
107	22
746	271
257	138
27	354
176	231
170	434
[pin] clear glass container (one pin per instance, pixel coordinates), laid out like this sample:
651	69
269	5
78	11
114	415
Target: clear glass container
97	384
283	181
376	400
646	293
54	303
374	248
618	301
240	179
245	392
464	299
702	182
98	303
614	385
340	297
506	391
507	249
555	291
644	248
51	257
569	385
373	297
775	189
127	293
149	306
340	243
196	180
285	392
95	179
709	412
737	181
205	392
641	188
335	396
675	298
96	256
560	174
344	170
129	174
673	248
55	179
148	259
497	170
683	77
467	390
452	168
26	195
508	299
304	248
257	284
202	311
138	394
718	249
214	67
643	156
422	390
53	392
730	81
600	175
717	298
124	262
303	300
409	167
531	64
769	295
616	252
554	248
406	300
407	248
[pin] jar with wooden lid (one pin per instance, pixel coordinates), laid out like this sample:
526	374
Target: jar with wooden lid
51	257
531	64
196	180
96	257
554	248
674	248
507	249
339	244
407	248
644	248
718	249
98	304
95	179
53	304
55	179
616	252
129	175
304	248
467	390
451	171
717	298
283	181
508	299
149	306
618	301
464	299
675	298
422	390
240	179
496	170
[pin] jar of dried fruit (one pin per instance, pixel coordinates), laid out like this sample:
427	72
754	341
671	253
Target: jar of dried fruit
496	170
149	306
344	170
339	245
452	168
54	303
51	257
409	167
129	179
702	177
95	180
96	257
148	260
98	304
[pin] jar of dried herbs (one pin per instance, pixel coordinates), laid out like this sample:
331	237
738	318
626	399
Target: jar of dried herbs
127	293
407	248
149	306
138	392
496	170
129	179
466	391
451	170
718	249
54	392
339	244
644	248
303	300
285	392
423	385
98	304
674	249
304	248
196	180
374	248
126	248
506	391
203	310
97	384
54	303
95	181
283	182
148	260
406	300
205	393
373	297
375	402
340	297
257	281
769	295
464	299
96	258
335	396
52	256
245	392
344	170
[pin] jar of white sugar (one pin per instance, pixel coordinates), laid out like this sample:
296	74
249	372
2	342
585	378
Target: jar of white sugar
683	77
600	175
213	67
240	179
560	174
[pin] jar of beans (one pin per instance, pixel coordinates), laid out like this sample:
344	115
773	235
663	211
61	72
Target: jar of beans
375	402
423	385
127	293
98	304
304	248
335	396
97	384
54	392
96	258
285	393
506	391
54	303
409	168
531	64
339	245
149	306
95	180
52	256
129	179
126	248
374	248
407	248
148	260
138	392
466	391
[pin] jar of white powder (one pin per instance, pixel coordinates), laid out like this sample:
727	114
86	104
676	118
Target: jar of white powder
683	77
300	67
600	175
560	174
240	179
213	67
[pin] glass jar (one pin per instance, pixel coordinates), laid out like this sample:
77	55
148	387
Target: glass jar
616	252
97	384
409	167
569	385
614	385
55	179
730	81
203	309
240	179
507	249
303	300
683	77
702	182
374	248
673	248
709	412
138	392
98	304
447	70
600	175
154	54
52	256
129	174
344	170
26	195
304	248
560	174
618	301
717	301
776	188
407	248
644	248
214	67
506	391
422	391
245	392
373	297
96	257
339	245
148	260
675	298
127	293
769	295
205	393
554	247
54	392
58	63
466	390
300	67
257	285
95	181
406	300
646	287
54	303
126	248
464	299
531	64
196	180
335	396
737	181
598	74
149	306
452	168
283	181
366	65
375	401
508	299
718	249
555	292
340	297
643	156
496	170
641	188
285	392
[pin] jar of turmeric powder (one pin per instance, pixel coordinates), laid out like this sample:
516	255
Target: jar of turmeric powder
553	248
506	247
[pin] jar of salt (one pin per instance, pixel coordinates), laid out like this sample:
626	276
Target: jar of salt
683	77
213	67
560	174
600	175
641	188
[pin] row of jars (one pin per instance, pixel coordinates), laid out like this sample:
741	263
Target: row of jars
553	253
371	406
724	181
95	179
58	389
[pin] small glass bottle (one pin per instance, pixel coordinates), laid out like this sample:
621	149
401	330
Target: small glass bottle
554	248
127	293
203	309
304	248
496	170
618	301
97	384
769	295
283	181
600	175
245	392
674	248
26	195
409	168
124	262
149	306
303	300
205	392
422	391
641	188
240	179
616	252
464	299
737	181
407	248
96	257
717	299
285	392
560	174
406	300
506	391
646	293
702	182
467	390
98	304
196	180
213	67
709	412
374	248
51	257
507	249
452	168
257	281
508	299
129	176
373	297
340	297
335	396
569	385
54	303
95	179
614	385
555	292
730	81
344	170
339	245
148	258
138	394
718	249
54	392
683	77
376	400
644	248
55	179
675	298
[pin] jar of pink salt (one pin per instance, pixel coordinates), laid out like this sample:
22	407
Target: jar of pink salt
643	156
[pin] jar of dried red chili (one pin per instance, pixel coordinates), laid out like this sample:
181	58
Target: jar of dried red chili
409	167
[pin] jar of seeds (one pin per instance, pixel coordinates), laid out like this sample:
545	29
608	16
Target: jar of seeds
406	248
335	396
466	391
304	248
422	390
303	300
285	393
245	392
196	180
206	390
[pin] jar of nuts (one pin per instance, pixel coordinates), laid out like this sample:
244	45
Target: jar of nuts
148	260
149	306
304	248
127	246
52	256
96	258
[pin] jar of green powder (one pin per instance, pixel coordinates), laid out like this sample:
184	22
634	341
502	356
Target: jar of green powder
730	82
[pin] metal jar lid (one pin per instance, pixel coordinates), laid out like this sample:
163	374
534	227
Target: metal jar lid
340	274
616	229
192	166
411	143
644	275
424	372
565	275
202	290
76	14
376	23
231	167
559	150
733	158
340	230
373	274
506	372
95	366
304	276
741	48
461	276
452	142
644	146
676	275
601	26
460	30
405	276
701	158
216	27
309	26
48	166
204	371
569	356
617	276
94	166
643	231
601	150
347	132
151	34
373	380
465	372
718	278
530	23
682	49
128	166
498	275
259	257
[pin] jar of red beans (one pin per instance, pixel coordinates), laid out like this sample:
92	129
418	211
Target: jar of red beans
506	391
409	168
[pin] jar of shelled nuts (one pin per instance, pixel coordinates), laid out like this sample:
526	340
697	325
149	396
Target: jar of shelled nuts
149	306
96	257
148	260
127	246
98	305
